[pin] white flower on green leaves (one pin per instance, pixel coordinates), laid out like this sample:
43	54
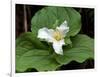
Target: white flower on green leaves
56	37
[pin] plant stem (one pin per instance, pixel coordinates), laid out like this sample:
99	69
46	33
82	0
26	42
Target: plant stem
25	19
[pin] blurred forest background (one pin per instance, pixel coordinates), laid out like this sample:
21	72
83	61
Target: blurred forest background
24	14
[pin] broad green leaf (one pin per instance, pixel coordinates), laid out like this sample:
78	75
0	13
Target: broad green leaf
82	49
82	40
31	53
51	17
79	54
37	59
27	40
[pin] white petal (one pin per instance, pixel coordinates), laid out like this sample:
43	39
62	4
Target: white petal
63	28
57	45
46	34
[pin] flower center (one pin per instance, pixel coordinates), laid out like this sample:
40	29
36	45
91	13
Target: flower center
57	35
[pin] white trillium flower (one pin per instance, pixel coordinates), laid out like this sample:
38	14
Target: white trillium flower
56	37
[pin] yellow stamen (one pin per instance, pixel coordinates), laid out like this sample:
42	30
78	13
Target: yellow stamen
57	35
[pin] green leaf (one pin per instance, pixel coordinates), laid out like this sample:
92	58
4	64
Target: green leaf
37	59
51	17
28	40
79	54
31	53
82	40
82	49
68	41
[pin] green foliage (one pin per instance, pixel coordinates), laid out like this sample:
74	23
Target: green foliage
29	56
51	17
83	41
38	59
82	49
32	53
79	54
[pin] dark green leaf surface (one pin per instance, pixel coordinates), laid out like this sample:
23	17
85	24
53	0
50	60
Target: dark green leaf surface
82	49
28	40
38	59
51	17
82	40
74	54
27	56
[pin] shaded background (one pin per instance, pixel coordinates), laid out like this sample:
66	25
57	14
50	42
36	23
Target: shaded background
24	14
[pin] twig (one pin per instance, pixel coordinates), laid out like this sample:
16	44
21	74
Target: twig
25	19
